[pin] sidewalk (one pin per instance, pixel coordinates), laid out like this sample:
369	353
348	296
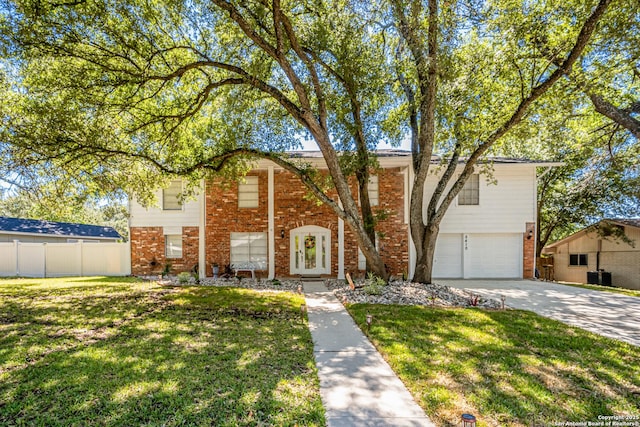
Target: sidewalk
357	386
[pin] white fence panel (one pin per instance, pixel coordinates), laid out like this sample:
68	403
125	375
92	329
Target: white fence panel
106	259
31	259
8	265
64	259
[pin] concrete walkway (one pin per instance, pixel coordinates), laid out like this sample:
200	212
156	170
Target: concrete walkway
358	388
605	313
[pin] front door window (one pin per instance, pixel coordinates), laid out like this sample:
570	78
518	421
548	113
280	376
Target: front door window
310	250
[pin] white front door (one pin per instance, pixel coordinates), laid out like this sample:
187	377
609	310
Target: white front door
310	250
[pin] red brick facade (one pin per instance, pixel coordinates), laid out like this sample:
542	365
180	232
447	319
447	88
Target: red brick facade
148	251
293	208
223	217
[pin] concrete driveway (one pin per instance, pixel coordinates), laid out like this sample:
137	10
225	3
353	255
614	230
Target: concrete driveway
605	313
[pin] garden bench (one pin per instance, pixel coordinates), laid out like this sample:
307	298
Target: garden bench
248	267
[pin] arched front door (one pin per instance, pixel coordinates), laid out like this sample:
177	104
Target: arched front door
310	250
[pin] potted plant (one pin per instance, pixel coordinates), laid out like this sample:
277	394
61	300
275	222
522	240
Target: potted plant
216	270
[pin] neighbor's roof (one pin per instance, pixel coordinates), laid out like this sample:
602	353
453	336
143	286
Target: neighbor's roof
391	152
629	222
51	228
633	222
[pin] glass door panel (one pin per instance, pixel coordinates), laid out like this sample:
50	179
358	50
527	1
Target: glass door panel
310	252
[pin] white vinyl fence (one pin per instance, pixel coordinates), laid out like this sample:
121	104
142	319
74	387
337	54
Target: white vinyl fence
64	259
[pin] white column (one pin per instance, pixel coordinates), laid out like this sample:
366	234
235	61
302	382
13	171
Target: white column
271	234
340	248
408	188
202	244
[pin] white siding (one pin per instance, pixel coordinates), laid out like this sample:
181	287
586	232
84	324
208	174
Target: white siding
154	216
504	207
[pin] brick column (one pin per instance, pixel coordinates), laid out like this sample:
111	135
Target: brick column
529	251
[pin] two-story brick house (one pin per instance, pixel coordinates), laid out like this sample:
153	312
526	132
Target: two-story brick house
269	219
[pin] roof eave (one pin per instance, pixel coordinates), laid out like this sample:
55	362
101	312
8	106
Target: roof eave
68	236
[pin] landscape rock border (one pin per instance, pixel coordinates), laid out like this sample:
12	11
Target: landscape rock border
396	292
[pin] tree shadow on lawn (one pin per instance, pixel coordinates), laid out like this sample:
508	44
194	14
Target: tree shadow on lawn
507	367
191	362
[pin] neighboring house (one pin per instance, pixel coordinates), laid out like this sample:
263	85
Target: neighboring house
42	231
599	247
268	219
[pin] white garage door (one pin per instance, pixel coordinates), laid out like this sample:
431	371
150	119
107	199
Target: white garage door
447	262
493	255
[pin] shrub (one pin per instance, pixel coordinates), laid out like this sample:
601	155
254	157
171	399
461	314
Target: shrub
374	285
184	277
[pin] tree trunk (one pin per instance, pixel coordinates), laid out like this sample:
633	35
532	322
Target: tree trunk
424	263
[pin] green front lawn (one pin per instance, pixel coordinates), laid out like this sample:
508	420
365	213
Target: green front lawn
509	368
114	351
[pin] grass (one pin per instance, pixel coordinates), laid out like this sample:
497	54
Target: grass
623	291
114	351
509	368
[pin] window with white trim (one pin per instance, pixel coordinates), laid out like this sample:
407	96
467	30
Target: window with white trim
372	187
470	193
173	245
249	248
170	196
248	196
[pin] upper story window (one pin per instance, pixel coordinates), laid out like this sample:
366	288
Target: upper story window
170	199
578	260
248	192
470	193
374	194
372	190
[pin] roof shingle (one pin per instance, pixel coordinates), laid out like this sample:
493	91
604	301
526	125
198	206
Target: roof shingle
52	228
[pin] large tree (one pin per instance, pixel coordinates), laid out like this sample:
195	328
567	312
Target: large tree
590	124
470	82
197	87
598	175
193	88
